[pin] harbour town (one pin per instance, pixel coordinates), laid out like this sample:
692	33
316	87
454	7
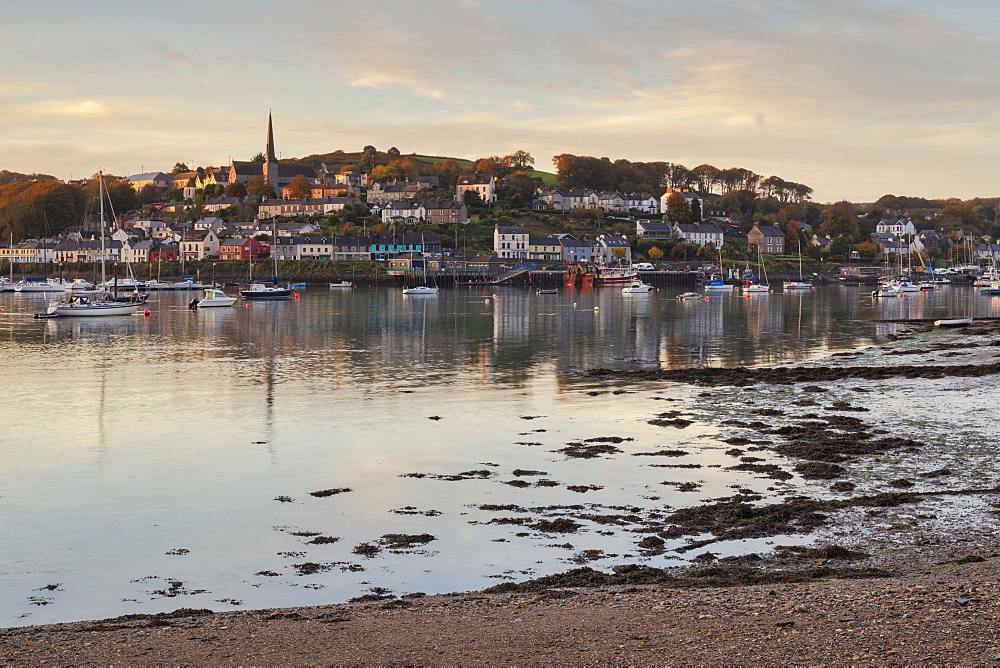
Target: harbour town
463	333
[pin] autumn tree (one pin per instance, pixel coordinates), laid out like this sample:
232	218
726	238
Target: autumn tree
654	254
388	173
299	187
393	152
678	211
841	220
30	208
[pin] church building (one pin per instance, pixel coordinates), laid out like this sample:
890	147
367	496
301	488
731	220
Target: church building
276	174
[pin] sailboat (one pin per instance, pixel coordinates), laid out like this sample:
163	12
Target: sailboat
263	290
759	286
104	304
799	284
422	289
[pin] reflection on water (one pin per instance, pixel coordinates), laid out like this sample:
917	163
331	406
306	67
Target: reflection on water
184	446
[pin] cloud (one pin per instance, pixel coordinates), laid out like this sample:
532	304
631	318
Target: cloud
173	56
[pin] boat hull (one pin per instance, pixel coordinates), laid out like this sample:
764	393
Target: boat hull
261	295
95	309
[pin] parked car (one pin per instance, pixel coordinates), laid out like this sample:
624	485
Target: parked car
644	266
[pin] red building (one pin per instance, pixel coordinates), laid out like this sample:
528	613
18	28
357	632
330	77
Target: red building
243	248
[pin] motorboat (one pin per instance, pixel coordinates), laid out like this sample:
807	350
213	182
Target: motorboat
260	291
296	285
342	284
953	322
420	290
213	297
547	291
689	296
991	289
888	291
756	288
796	285
719	286
637	287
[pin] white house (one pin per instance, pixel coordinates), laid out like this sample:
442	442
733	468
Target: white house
510	241
896	226
702	234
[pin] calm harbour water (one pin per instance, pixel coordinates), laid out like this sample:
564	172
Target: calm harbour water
153	463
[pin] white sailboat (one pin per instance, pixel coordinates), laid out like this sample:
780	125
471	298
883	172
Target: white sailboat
760	286
799	284
422	289
263	290
101	305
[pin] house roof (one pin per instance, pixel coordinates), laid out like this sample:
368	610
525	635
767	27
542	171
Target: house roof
770	231
511	229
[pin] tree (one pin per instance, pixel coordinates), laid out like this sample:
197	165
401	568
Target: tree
696	210
149	194
619	252
654	254
841	221
387	173
369	158
299	187
393	152
214	190
179	167
259	159
678	210
472	200
236	189
867	250
520	161
259	188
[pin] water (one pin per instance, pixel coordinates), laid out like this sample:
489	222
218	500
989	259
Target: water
152	463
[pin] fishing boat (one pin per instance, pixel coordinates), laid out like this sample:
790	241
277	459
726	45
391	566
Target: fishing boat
214	297
616	275
637	287
81	305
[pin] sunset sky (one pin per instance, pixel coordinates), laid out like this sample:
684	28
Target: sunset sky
854	98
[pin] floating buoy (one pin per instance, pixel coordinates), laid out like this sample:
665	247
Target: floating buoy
247	305
146	314
486	301
494	295
296	295
597	308
574	304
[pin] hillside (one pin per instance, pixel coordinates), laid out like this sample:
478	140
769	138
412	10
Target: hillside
337	159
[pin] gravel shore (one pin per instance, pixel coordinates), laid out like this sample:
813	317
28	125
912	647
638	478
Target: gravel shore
945	614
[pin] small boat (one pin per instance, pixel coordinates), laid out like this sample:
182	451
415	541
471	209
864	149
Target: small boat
992	289
213	297
887	291
637	287
264	291
719	286
81	306
756	288
296	285
796	285
547	291
40	285
953	322
342	284
420	290
689	296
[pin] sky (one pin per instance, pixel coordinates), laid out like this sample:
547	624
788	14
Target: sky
854	98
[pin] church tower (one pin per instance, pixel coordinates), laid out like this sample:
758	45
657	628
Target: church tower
270	171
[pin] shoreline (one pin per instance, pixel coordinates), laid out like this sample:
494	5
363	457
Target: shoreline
916	589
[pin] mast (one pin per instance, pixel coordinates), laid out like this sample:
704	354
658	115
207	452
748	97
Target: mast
100	193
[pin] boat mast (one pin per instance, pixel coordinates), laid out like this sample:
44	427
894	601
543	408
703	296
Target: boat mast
100	194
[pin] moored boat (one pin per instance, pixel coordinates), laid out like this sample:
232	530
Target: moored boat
342	284
265	291
637	287
420	290
214	297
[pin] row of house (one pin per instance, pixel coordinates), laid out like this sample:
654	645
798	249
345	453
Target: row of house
559	199
516	242
412	213
359	248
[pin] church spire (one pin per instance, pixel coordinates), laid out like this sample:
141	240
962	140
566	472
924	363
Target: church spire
270	156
